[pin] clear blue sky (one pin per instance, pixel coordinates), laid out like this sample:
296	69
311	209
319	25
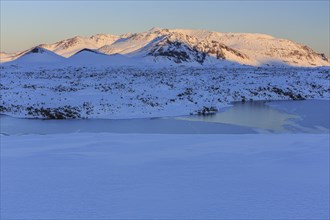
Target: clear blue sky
28	23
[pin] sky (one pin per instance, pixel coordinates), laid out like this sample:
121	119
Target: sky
25	24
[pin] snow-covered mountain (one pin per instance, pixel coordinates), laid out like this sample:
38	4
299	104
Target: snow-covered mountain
71	46
5	57
198	47
201	46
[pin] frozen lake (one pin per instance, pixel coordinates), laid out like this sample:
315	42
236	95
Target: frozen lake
308	116
88	173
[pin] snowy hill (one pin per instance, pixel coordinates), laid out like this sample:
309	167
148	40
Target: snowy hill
88	55
192	47
38	56
95	58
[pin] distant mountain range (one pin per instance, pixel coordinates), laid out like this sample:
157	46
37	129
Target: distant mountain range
170	47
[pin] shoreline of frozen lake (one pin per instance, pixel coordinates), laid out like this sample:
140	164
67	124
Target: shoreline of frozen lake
305	116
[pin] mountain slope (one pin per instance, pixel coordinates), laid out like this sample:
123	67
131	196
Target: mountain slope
263	49
181	50
6	57
70	46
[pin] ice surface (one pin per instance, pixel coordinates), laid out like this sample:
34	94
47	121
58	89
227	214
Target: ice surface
103	176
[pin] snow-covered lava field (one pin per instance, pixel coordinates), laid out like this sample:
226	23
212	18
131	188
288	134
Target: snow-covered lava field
133	92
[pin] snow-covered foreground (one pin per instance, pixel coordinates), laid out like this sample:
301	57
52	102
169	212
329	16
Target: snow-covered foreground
145	176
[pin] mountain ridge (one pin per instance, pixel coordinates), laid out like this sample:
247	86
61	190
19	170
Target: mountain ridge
184	46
